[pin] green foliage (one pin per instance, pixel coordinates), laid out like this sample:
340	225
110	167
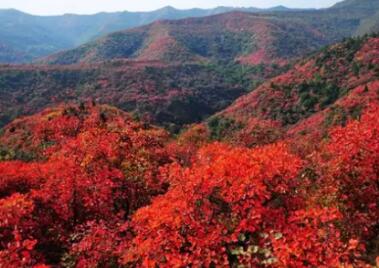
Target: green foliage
339	116
356	68
10	154
317	92
220	127
218	44
336	117
346	51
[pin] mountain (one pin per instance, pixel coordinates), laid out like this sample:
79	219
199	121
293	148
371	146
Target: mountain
234	36
36	36
322	91
246	37
280	168
369	23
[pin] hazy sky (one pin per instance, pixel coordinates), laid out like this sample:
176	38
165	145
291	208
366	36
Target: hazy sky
48	7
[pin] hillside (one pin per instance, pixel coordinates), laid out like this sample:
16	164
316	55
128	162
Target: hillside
168	94
235	36
319	92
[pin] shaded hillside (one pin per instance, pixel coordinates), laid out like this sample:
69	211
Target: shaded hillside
236	36
326	89
170	95
8	54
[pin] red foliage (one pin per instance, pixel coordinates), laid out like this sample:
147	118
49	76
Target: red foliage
18	177
220	212
98	165
354	166
16	247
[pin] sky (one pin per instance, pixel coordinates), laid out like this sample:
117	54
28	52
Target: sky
57	7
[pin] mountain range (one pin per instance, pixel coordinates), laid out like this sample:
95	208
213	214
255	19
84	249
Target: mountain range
25	37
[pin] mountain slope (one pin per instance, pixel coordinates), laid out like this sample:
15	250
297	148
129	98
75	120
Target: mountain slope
322	91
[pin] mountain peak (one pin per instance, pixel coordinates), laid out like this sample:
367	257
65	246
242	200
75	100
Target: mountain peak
279	8
167	8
